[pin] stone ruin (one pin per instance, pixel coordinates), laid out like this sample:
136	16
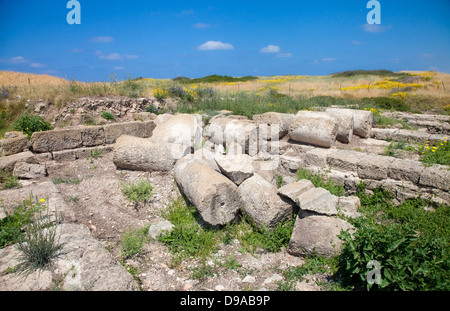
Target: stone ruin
230	165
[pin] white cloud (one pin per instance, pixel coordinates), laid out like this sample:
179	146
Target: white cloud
186	12
427	55
111	56
284	55
102	39
354	42
37	65
215	45
328	59
22	60
270	49
201	25
18	60
127	56
375	28
115	56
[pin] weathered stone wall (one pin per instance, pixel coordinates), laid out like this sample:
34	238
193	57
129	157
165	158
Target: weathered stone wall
73	138
406	178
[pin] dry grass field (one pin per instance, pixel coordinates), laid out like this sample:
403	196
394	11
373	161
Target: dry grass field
10	78
420	91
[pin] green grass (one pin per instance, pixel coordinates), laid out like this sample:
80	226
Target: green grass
315	265
138	192
69	181
133	241
189	240
7	181
39	244
438	153
96	153
387	122
214	79
380	72
394	148
11	226
32	229
320	181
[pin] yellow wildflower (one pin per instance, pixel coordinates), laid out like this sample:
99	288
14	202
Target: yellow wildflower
42	200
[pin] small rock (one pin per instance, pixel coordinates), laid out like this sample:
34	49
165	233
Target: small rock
249	279
293	190
164	226
219	288
187	286
318	200
273	279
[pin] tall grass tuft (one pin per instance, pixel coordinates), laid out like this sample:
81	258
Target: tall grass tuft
39	244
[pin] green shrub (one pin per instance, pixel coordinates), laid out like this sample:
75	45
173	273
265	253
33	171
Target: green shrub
28	124
108	115
214	79
409	242
39	243
387	103
138	192
7	181
380	72
272	240
132	242
188	238
11	226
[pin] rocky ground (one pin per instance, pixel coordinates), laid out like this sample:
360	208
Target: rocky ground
87	191
98	203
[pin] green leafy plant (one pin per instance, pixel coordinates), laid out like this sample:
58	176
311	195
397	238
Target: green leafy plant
314	265
11	226
7	181
96	153
439	153
132	242
108	115
39	244
138	192
28	124
409	242
280	181
188	238
272	240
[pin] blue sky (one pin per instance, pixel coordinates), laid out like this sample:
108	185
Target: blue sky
166	39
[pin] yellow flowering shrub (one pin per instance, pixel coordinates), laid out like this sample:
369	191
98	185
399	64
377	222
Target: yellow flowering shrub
160	94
